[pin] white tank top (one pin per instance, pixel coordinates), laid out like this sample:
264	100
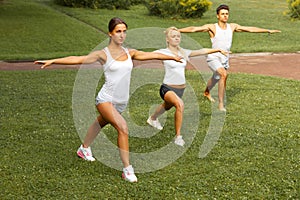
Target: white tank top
221	40
117	79
174	71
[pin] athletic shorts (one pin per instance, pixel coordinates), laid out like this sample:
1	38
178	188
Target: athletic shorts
215	64
120	107
166	88
103	97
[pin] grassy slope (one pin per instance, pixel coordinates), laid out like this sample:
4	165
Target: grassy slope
31	30
39	29
263	14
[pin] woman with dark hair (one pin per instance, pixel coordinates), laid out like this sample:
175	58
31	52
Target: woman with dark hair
112	99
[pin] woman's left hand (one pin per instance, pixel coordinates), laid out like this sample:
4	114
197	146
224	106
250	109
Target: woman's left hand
225	53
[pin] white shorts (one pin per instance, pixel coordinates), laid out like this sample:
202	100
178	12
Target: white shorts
118	106
102	97
215	64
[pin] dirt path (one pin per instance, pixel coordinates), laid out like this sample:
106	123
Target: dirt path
281	65
285	65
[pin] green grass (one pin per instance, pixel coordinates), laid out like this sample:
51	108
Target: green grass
39	29
263	14
32	30
256	157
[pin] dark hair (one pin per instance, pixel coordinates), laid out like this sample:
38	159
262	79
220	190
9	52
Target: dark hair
114	22
223	6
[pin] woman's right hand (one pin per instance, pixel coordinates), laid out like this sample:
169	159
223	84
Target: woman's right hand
45	63
225	53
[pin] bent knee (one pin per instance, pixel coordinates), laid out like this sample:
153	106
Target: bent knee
222	72
179	105
223	76
122	128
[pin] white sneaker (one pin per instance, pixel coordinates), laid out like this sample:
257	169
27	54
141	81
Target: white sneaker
128	174
85	153
154	123
179	141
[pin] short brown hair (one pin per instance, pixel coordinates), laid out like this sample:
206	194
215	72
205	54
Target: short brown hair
221	7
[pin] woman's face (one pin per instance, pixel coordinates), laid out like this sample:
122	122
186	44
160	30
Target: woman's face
118	35
174	38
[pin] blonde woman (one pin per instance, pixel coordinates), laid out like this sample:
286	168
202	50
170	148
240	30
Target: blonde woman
174	83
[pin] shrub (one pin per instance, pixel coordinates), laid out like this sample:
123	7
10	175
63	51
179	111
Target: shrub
78	3
294	8
114	4
136	2
178	8
108	4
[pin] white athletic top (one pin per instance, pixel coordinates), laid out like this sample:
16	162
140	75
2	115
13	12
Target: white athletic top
117	79
175	71
221	40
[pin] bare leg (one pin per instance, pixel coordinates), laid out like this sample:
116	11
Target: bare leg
171	99
93	131
112	116
159	111
222	87
210	84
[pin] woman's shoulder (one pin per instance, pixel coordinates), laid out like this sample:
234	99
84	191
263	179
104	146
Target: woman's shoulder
164	51
99	55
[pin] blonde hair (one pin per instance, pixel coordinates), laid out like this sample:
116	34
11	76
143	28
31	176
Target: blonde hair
167	33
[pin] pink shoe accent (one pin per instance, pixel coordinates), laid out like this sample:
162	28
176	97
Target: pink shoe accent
80	154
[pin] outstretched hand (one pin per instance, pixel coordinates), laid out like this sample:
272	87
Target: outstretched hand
274	31
45	63
225	53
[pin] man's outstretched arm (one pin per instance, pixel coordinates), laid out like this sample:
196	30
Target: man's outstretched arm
191	29
251	29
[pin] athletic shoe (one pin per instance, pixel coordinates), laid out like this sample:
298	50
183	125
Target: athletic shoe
222	109
154	123
179	141
85	153
128	174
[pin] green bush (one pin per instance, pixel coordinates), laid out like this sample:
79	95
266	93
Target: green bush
136	2
108	4
294	8
178	8
78	3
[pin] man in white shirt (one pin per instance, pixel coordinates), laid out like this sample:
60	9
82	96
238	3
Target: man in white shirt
221	37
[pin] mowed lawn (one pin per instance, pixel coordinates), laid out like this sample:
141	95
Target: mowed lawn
255	156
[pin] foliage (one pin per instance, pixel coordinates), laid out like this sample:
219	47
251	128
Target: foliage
136	2
178	8
294	8
108	4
